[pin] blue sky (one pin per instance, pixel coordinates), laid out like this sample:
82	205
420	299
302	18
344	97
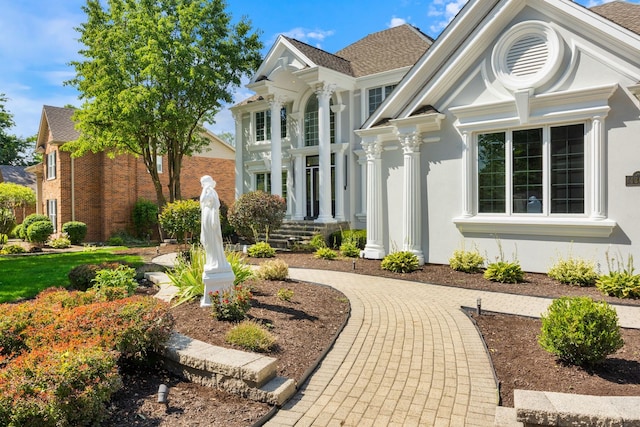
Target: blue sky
38	40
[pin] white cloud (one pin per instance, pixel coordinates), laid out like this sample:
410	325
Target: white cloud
443	11
396	22
312	37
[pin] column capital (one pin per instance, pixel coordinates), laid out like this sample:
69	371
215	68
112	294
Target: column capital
410	142
276	101
325	90
373	149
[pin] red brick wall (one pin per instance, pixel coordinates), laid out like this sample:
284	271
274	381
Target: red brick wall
107	189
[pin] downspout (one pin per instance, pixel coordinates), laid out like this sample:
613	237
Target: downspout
73	190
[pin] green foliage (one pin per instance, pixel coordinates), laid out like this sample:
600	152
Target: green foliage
466	261
231	304
504	272
122	277
338	238
14	196
12	249
145	217
325	253
7	221
302	247
3	239
257	213
251	336
241	270
187	275
285	294
30	219
82	276
17	230
61	242
14	149
75	230
317	242
621	281
181	219
261	250
226	228
152	73
115	241
580	331
574	271
349	249
275	269
39	232
400	262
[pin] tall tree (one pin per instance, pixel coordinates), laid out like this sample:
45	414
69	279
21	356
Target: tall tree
154	72
14	150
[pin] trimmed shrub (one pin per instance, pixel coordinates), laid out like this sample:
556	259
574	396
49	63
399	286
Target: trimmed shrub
350	249
580	331
275	269
61	242
30	219
81	277
115	241
75	230
317	242
181	219
39	232
504	272
261	250
338	238
251	336
400	262
16	232
231	304
7	220
466	261
325	253
257	213
122	278
574	271
12	249
145	217
285	294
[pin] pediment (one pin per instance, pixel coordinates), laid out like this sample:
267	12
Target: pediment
283	57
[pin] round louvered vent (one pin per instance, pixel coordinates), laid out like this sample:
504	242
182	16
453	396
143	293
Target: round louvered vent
527	56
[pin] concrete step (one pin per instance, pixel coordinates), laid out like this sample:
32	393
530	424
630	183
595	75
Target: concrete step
506	417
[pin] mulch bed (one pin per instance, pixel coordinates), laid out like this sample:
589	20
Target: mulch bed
316	312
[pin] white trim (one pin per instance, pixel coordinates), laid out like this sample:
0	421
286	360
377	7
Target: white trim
545	226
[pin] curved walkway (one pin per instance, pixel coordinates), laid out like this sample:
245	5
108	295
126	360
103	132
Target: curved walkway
408	356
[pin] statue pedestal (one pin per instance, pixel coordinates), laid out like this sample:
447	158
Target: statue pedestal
215	281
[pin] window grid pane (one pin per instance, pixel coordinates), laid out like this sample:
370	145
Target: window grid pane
527	171
567	169
283	123
311	136
491	173
260	125
375	99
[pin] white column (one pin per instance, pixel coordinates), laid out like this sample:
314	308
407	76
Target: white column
299	187
467	175
237	117
362	163
597	169
340	180
374	248
412	194
324	92
276	147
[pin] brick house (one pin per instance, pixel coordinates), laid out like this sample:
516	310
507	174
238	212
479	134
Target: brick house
101	191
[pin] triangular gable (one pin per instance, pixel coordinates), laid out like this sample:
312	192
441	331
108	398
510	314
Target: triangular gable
476	27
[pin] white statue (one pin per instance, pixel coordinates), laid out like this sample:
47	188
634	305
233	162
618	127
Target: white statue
210	234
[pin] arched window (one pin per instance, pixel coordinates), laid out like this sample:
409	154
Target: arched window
311	135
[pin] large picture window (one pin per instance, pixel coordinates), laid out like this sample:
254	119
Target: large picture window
311	130
532	171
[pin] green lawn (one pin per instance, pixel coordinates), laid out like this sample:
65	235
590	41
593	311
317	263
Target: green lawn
25	276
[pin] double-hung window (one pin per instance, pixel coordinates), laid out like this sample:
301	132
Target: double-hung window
263	182
377	95
52	213
532	171
51	165
263	124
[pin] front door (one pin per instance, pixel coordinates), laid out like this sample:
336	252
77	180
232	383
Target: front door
313	186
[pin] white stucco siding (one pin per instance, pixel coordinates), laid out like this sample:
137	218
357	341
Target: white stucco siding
392	182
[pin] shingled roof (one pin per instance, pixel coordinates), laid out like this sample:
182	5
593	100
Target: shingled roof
322	58
386	50
17	175
60	123
625	14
